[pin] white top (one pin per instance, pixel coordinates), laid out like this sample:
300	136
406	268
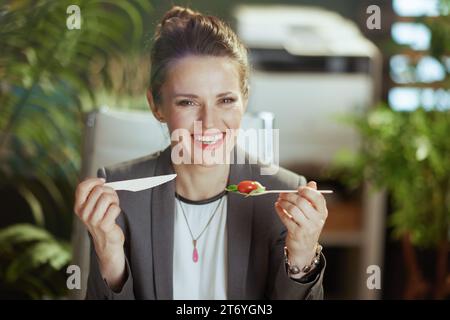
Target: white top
205	279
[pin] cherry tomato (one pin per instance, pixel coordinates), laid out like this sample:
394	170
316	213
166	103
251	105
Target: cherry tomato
247	186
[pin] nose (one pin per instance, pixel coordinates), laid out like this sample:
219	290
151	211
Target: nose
207	117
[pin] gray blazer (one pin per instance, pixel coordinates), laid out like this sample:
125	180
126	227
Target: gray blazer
255	261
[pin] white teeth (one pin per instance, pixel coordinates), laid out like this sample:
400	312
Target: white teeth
208	139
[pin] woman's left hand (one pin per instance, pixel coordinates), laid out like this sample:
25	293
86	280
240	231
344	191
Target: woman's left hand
304	214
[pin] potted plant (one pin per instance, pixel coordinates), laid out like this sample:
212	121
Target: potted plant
48	78
408	155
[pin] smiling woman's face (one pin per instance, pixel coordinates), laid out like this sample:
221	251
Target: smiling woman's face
206	89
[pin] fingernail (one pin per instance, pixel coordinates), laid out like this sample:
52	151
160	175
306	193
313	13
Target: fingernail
103	180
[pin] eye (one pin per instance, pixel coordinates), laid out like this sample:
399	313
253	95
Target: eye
228	100
185	103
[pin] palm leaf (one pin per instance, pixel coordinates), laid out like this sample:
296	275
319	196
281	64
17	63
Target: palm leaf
46	74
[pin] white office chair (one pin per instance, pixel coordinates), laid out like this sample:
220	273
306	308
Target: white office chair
113	136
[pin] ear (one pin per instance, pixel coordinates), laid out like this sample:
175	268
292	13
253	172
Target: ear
155	110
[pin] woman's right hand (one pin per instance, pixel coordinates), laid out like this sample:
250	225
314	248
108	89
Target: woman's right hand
98	207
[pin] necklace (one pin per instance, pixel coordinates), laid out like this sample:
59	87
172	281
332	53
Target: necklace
194	240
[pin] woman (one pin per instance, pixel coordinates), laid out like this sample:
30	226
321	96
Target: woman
188	239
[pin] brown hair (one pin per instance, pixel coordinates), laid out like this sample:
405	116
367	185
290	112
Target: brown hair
183	32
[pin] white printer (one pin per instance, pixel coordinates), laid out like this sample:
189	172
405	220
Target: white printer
309	65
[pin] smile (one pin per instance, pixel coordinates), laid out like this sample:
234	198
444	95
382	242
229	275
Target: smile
211	139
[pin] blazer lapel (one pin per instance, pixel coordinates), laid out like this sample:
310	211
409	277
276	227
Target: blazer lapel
239	230
163	198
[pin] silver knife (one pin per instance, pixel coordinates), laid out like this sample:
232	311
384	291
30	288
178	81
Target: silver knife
141	183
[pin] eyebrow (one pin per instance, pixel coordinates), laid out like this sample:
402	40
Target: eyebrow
195	96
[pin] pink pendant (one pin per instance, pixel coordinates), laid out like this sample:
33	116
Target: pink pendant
195	252
195	255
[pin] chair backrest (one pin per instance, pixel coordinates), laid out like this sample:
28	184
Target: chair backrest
113	136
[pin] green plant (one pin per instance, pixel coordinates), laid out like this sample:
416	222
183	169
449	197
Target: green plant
50	76
32	262
408	155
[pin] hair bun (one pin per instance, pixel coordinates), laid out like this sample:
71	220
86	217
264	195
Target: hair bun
183	31
178	12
